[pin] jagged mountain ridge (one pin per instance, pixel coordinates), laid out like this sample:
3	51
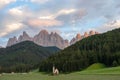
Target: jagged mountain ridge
45	39
80	37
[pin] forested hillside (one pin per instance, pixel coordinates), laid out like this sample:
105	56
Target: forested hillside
101	48
23	56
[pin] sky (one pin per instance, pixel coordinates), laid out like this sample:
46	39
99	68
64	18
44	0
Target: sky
66	17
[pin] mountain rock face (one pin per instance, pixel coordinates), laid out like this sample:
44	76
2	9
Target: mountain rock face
12	41
43	39
79	37
24	37
52	39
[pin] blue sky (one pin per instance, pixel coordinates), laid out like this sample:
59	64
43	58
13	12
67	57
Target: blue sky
66	17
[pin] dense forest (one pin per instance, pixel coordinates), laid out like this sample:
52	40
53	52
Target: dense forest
101	48
23	57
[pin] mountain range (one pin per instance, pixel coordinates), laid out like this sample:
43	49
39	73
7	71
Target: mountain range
43	38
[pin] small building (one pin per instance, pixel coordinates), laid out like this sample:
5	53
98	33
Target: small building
55	71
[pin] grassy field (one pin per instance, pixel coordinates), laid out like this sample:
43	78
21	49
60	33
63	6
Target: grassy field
99	74
73	76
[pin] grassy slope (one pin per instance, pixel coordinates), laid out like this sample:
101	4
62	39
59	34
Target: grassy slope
73	76
96	66
112	70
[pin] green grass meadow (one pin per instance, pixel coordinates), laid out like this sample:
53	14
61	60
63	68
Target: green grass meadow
73	76
88	74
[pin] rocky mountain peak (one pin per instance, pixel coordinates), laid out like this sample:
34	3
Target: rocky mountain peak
24	37
25	34
44	32
20	38
12	41
86	34
57	36
96	32
52	39
78	36
91	33
72	41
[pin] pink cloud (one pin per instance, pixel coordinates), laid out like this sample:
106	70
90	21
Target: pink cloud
44	22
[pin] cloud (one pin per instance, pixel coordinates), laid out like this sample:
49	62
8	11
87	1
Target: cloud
97	9
43	18
43	22
20	12
17	11
40	1
75	15
16	16
66	11
10	28
21	17
12	20
65	15
5	2
59	13
109	26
